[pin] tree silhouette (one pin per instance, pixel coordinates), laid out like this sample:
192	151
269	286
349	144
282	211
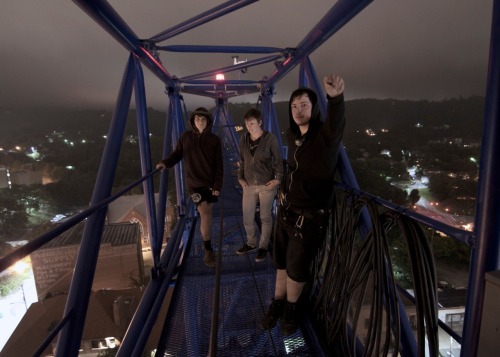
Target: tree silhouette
414	197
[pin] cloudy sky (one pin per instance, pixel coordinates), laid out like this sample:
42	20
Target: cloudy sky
52	53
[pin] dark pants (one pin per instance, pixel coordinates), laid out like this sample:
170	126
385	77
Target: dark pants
299	235
200	194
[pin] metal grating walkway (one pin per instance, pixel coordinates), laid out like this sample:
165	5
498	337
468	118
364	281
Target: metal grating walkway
246	289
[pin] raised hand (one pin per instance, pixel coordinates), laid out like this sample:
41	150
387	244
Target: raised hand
334	85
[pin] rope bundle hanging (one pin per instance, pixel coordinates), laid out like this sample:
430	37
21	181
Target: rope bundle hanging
354	293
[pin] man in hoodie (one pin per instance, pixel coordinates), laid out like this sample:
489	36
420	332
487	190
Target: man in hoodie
306	196
202	154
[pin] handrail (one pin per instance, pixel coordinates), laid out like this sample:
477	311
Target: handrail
30	247
459	234
48	236
51	336
146	313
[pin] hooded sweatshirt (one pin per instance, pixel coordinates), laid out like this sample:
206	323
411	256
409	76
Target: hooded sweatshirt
265	164
202	154
312	157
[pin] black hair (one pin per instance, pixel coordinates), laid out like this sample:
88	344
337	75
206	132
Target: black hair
299	92
253	113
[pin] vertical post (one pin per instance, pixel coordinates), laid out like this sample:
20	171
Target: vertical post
24	296
167	148
229	127
275	127
145	153
81	285
269	115
486	247
264	108
311	78
177	129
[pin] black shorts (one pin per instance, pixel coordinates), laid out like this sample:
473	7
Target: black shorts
200	194
299	235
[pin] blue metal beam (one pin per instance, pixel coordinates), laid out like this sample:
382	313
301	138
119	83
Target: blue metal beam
486	247
225	91
338	16
81	284
269	116
110	20
220	49
178	128
146	167
236	83
235	67
201	19
147	312
167	148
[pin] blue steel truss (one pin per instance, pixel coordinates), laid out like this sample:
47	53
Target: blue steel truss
484	241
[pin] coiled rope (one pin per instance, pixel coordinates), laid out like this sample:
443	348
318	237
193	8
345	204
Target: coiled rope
353	294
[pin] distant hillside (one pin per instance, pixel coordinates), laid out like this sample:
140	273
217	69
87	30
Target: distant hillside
464	116
27	126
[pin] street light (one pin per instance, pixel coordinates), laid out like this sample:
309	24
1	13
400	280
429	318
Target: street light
20	268
473	159
24	296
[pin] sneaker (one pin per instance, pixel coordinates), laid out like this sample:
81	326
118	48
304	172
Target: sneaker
289	323
245	249
209	258
272	315
261	255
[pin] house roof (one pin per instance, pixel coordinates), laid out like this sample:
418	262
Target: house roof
113	234
122	206
42	317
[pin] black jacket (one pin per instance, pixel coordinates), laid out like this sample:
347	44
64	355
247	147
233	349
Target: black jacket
202	154
312	164
266	163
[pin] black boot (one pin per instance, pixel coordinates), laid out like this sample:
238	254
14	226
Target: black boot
209	258
289	323
273	314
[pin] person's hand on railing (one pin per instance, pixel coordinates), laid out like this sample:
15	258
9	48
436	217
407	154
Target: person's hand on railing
161	166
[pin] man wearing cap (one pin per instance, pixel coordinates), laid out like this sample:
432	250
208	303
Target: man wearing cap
202	154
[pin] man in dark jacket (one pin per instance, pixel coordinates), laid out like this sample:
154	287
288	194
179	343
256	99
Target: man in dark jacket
261	172
306	197
202	154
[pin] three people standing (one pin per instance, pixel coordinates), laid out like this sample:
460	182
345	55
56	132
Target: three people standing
306	195
260	174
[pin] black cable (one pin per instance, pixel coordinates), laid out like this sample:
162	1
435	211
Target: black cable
354	273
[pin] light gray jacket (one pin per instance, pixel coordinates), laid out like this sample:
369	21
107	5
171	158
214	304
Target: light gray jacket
265	165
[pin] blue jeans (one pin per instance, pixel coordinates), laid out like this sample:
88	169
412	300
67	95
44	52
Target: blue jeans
252	195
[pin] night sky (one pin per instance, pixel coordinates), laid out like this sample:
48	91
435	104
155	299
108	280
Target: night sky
52	53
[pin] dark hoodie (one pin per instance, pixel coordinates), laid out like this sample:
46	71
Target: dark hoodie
312	163
202	154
